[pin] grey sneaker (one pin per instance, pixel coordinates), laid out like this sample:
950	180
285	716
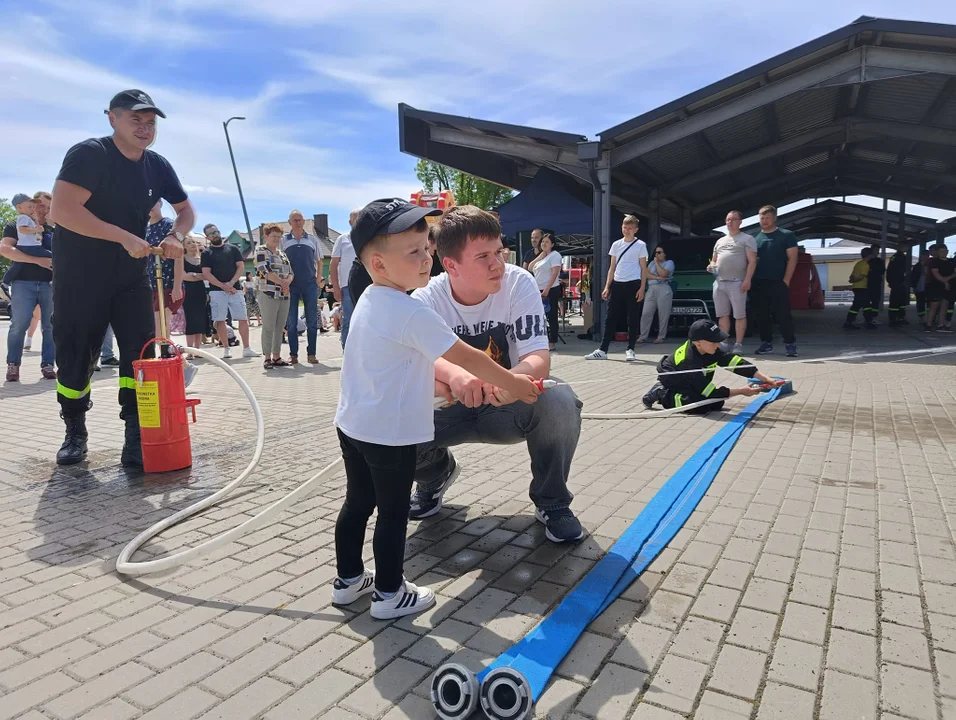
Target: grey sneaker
560	525
425	503
738	348
189	373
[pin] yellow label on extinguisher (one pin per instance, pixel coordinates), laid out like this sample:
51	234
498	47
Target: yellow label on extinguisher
147	400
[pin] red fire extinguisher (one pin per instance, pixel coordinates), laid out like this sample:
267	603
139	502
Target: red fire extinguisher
161	400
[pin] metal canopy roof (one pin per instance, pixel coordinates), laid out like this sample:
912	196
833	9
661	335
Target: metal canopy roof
509	155
835	219
869	109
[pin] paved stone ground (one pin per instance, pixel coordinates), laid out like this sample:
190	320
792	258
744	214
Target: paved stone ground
816	579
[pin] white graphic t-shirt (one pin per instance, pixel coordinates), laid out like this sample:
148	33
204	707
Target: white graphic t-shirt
507	325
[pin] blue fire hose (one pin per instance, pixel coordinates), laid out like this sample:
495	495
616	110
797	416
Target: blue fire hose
508	688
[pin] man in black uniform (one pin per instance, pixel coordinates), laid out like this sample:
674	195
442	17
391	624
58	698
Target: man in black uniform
700	352
897	276
874	285
101	204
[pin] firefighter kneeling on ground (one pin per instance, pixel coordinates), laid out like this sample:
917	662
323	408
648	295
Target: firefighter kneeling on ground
700	352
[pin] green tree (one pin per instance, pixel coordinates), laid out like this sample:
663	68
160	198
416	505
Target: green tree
8	213
468	189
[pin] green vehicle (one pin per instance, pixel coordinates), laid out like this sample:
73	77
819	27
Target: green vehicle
693	285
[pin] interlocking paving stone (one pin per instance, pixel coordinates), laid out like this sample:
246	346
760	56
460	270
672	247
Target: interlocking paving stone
824	544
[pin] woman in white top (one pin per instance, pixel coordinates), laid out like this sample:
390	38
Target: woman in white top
546	267
659	296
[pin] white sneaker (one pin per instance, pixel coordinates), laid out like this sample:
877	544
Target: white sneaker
27	343
409	599
598	354
226	353
345	594
249	352
630	356
738	348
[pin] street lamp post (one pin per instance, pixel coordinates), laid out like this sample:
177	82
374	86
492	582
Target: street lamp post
242	201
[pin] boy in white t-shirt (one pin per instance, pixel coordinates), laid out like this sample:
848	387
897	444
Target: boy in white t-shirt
624	289
386	405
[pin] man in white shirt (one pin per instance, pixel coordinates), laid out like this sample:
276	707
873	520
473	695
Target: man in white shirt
497	308
734	262
343	255
624	289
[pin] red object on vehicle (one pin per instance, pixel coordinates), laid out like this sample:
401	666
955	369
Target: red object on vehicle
806	292
163	411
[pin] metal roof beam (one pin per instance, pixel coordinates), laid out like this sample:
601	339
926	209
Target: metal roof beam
820	171
765	153
930	115
888	170
860	130
758	98
853	186
536	152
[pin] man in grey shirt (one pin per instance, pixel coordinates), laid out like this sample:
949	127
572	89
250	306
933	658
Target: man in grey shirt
734	262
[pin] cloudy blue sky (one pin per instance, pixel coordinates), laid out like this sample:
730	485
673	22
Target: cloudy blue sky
319	80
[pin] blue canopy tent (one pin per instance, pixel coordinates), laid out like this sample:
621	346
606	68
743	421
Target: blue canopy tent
556	203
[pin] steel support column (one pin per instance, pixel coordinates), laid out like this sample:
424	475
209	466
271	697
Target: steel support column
685	222
654	218
884	236
601	215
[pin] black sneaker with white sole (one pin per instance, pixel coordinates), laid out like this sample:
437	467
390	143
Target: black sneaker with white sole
560	525
409	599
344	593
653	395
425	503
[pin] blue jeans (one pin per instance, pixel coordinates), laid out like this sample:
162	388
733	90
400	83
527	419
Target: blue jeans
309	295
347	307
25	296
550	427
106	352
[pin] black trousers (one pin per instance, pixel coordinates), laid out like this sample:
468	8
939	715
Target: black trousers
377	476
623	301
920	304
861	303
554	298
899	299
771	301
85	301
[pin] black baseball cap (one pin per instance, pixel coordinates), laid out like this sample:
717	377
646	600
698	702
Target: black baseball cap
707	330
134	100
388	216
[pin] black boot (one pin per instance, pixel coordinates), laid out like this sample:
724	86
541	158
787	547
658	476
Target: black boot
132	456
653	395
73	449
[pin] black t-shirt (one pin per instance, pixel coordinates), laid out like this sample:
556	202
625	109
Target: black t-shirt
123	192
28	271
945	268
221	261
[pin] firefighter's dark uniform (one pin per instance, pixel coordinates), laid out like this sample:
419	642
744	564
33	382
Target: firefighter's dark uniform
874	288
97	283
676	391
897	275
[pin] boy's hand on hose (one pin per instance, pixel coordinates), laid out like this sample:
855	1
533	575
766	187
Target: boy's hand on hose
748	391
496	396
764	379
524	388
467	388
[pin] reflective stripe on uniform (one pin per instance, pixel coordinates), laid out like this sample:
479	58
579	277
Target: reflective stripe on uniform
126	382
710	369
680	354
70	393
735	361
678	400
708	390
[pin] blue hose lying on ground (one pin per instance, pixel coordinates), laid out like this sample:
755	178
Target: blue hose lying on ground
511	685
